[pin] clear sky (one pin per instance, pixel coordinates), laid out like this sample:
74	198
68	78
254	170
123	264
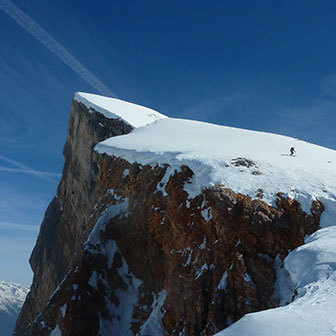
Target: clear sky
262	65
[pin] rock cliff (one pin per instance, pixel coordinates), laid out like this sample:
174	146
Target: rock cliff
63	229
123	248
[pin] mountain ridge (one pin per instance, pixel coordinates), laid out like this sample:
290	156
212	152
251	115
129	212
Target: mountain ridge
12	296
155	233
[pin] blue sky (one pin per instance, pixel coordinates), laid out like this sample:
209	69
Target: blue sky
263	65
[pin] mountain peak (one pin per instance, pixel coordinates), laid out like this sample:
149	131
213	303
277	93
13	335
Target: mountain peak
227	156
112	108
181	227
12	297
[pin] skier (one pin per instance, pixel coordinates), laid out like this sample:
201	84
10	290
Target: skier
292	151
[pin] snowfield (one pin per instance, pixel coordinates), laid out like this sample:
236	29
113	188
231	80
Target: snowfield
251	162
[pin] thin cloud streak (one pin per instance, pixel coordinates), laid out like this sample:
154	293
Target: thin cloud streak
19	227
29	171
14	162
48	41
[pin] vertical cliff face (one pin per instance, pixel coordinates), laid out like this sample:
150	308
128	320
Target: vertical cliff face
195	266
63	229
124	249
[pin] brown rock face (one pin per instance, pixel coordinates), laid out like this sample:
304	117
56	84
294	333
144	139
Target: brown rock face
129	247
63	229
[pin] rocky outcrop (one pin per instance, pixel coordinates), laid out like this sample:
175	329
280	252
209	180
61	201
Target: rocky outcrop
63	229
122	247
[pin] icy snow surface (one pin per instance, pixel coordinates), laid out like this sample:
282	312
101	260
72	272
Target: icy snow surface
217	154
132	114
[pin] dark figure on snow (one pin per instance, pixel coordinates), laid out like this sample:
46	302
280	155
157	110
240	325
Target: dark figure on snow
292	151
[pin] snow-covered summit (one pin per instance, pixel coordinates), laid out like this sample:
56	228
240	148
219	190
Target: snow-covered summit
255	163
132	114
250	162
245	161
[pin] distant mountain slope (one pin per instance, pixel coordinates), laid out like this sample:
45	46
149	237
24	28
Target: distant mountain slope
12	297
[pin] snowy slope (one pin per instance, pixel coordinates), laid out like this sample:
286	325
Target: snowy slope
210	151
12	297
214	154
132	114
313	269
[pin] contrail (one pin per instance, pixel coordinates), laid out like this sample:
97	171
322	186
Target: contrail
21	227
47	40
27	170
15	163
30	171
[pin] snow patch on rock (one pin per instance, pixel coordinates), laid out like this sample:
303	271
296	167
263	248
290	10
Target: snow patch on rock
122	314
223	282
154	326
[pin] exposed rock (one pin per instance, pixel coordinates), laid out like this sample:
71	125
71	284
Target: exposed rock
237	162
63	229
209	259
